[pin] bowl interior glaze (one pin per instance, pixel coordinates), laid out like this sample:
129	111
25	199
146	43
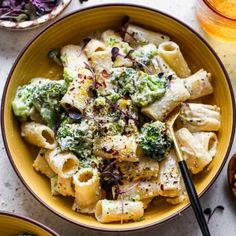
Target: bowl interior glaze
33	62
11	224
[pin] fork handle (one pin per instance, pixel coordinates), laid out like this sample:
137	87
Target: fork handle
194	198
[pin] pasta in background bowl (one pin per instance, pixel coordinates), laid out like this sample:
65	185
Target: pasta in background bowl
78	26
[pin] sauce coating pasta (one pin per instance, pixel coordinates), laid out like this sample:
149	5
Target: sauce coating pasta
101	130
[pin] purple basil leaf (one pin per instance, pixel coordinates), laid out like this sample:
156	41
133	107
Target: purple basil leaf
114	53
125	20
31	11
75	114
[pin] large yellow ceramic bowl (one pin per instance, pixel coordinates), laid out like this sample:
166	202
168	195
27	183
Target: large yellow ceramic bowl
33	62
13	225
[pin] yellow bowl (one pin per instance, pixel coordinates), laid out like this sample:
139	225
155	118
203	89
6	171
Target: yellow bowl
12	224
33	62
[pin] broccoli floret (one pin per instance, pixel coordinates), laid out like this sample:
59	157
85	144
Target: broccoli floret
149	88
69	75
145	54
77	137
54	54
124	80
143	88
42	95
155	140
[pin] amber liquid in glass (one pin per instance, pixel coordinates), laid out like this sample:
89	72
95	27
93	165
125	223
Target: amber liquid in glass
218	17
225	7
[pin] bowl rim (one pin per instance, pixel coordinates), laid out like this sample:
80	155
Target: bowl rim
30	220
103	229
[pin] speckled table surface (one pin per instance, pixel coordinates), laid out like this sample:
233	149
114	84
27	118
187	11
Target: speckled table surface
15	198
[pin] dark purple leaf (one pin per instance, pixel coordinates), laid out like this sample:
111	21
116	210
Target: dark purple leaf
22	10
114	53
74	114
129	53
208	212
85	42
125	20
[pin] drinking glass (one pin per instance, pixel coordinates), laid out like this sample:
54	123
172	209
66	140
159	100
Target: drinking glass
218	18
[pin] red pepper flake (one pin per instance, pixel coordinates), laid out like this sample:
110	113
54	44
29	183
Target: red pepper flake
105	74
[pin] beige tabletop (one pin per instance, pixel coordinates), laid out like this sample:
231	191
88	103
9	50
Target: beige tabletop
15	198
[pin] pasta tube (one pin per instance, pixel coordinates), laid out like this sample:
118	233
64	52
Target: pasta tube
171	53
73	58
138	35
117	210
39	135
146	202
101	61
87	187
177	200
174	96
85	210
208	140
196	156
65	164
122	147
62	186
145	168
65	186
199	117
40	164
138	190
77	94
169	178
111	38
199	84
159	65
93	46
53	182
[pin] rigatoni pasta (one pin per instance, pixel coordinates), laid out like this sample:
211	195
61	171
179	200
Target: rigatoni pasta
200	117
121	147
65	164
102	130
39	135
116	210
169	178
73	59
78	93
171	53
209	141
138	35
196	156
40	164
87	187
199	84
174	96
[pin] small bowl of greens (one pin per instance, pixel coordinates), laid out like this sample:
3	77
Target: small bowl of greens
27	14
